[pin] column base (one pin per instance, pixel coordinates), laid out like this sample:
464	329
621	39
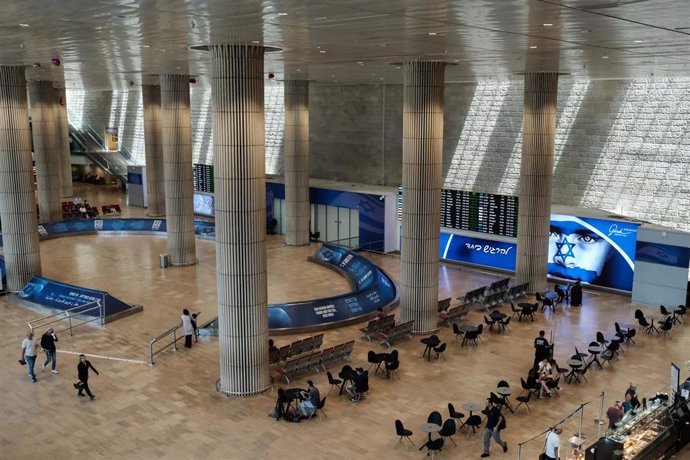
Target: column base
186	264
432	331
241	395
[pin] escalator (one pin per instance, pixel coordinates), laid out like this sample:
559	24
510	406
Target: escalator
88	142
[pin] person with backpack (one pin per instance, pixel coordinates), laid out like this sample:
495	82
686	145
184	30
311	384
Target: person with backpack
495	422
48	340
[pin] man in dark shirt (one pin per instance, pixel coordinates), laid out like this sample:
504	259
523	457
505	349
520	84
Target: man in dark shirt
83	375
314	398
542	349
494	423
48	340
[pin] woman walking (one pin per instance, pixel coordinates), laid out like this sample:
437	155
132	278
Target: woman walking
187	328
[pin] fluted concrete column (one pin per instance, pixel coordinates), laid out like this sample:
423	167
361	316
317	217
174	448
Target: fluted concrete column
297	162
17	198
421	180
177	169
240	185
151	96
66	189
536	178
47	149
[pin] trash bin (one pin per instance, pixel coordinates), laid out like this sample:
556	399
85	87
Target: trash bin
164	260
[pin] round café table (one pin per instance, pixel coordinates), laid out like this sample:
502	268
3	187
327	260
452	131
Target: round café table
594	351
471	407
430	428
574	365
505	392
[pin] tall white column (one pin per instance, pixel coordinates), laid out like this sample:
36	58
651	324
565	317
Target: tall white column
297	162
536	178
17	198
47	149
177	159
240	187
66	189
421	180
151	96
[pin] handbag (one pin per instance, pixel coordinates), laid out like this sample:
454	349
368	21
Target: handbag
79	385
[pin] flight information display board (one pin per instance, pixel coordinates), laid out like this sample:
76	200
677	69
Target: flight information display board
479	212
203	177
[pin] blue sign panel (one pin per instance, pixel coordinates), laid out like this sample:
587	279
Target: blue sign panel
478	251
663	254
3	272
373	289
134	178
63	296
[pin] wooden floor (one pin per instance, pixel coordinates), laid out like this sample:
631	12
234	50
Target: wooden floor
172	410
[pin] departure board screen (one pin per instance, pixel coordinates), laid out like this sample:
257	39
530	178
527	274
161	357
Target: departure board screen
203	177
479	212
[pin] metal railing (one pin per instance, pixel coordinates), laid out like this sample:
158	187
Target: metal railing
172	331
69	315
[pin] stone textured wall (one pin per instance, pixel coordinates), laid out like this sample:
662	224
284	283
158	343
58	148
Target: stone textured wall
124	109
620	145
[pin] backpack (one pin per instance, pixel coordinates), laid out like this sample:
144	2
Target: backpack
44	342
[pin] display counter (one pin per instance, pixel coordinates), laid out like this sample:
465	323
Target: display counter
646	434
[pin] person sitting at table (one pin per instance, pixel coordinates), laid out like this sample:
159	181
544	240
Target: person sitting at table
272	351
534	381
560	293
360	385
614	414
311	397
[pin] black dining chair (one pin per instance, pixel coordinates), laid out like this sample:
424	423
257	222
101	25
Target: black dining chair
433	446
600	338
523	400
607	357
448	430
375	359
439	351
470	338
480	331
457	332
525	386
680	313
504	323
334	382
629	336
472	423
436	418
455	414
515	310
664	311
319	408
404	434
392	368
554	386
489	322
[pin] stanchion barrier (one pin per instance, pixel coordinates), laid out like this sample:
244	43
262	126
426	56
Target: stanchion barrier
580	434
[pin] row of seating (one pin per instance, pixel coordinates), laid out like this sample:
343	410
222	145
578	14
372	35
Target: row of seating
399	331
316	360
498	286
453	314
112	209
71	210
496	293
377	327
297	347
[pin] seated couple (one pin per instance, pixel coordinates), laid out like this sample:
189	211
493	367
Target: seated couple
542	378
360	385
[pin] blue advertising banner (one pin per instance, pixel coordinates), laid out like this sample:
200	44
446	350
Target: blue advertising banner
3	273
204	204
373	289
663	254
596	251
478	251
63	296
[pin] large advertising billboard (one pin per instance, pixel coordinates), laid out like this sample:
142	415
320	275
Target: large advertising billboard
596	251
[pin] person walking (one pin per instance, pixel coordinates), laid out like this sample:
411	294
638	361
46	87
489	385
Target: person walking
29	354
576	294
83	374
542	348
495	422
48	340
187	328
